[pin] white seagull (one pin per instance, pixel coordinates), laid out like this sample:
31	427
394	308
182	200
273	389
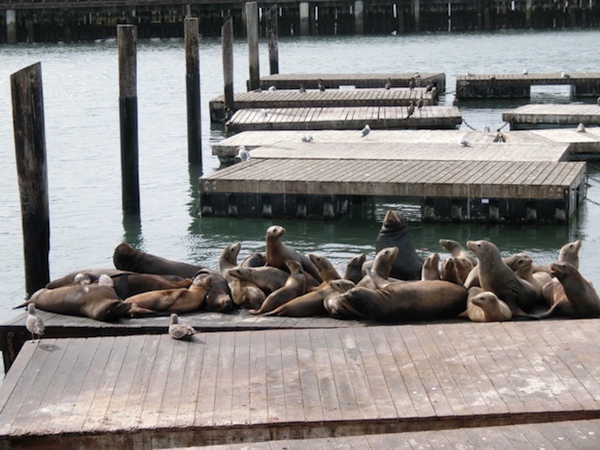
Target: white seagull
272	88
464	143
307	138
581	128
34	324
243	154
180	330
366	130
525	72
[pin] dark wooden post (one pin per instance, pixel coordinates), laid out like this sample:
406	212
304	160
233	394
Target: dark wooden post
192	83
128	113
32	169
227	38
272	37
252	27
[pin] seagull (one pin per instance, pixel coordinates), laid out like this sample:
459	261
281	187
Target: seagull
581	128
34	324
307	138
469	74
394	32
411	83
525	72
302	88
429	87
420	101
243	154
598	101
417	75
565	75
455	101
366	130
464	143
486	129
106	280
321	85
388	85
180	330
411	109
272	88
264	113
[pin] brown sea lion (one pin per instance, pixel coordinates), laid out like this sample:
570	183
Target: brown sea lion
335	306
497	277
572	295
129	284
218	297
170	300
125	257
86	276
406	302
354	268
306	305
254	260
431	268
568	253
326	270
485	306
457	250
243	293
277	253
522	265
98	302
382	266
449	272
268	278
464	266
295	286
228	259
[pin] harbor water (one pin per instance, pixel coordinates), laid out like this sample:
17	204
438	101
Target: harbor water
80	83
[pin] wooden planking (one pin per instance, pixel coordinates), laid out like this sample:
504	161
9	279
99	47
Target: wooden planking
367	177
309	382
343	118
531	78
547	114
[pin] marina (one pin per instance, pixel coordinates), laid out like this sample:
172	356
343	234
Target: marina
531	116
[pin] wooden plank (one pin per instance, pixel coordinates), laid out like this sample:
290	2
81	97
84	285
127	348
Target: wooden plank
189	395
332	401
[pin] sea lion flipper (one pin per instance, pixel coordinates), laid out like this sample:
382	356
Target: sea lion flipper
122	286
22	305
464	314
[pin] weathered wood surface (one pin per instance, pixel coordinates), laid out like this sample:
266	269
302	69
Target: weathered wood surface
358	80
532	79
228	387
545	114
480	179
344	118
315	98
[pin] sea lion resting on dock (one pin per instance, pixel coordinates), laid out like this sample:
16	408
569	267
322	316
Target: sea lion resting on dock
83	276
295	286
485	306
98	302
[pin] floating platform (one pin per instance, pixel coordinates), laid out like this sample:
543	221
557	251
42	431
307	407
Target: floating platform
150	391
315	98
498	85
540	115
448	190
358	80
350	118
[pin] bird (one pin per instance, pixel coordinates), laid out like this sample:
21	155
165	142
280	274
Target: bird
302	88
366	130
243	154
34	324
598	101
411	83
581	128
411	109
388	85
180	330
420	101
565	75
321	85
486	129
394	32
469	74
272	88
307	138
455	101
264	113
499	137
429	87
525	72
464	143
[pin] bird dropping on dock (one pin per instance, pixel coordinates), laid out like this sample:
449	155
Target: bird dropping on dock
34	324
180	330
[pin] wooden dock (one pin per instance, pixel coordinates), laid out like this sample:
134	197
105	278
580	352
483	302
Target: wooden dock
531	116
447	190
350	118
498	85
314	98
357	80
480	380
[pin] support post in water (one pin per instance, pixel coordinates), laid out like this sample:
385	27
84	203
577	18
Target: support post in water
32	170
272	38
192	83
227	38
252	27
128	115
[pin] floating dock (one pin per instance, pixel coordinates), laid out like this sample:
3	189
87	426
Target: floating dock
357	80
540	115
485	381
351	118
315	98
498	85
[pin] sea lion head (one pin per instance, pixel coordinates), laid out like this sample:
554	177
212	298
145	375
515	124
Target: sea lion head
231	252
484	300
294	266
112	310
570	252
520	263
393	221
122	256
562	270
275	232
341	285
483	248
384	259
449	244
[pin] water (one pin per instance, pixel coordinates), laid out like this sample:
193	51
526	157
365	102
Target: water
82	139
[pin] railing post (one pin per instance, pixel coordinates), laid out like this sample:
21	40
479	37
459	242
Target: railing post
192	78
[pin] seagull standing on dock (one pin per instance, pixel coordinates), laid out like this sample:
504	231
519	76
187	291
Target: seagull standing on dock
272	88
366	130
180	330
388	85
302	90
243	154
420	102
321	85
264	114
464	143
581	128
307	138
411	83
34	324
525	72
429	87
411	109
455	102
565	75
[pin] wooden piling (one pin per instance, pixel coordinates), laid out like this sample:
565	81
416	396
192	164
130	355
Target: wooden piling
252	29
227	39
30	150
128	112
272	38
192	81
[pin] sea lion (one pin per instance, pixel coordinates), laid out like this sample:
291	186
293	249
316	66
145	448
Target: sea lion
243	293
326	270
464	266
522	265
431	267
306	305
228	259
254	260
406	302
497	277
394	233
382	266
571	294
568	253
449	272
98	302
128	284
268	278
295	286
84	276
485	306
277	253
125	257
335	306
218	297
354	268
180	300
457	250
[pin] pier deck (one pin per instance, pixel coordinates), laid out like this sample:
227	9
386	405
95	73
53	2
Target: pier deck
530	116
315	98
382	117
358	80
498	85
252	386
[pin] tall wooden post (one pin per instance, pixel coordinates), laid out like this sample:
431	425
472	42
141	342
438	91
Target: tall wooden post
417	14
11	26
32	170
272	38
227	38
128	113
192	83
252	27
